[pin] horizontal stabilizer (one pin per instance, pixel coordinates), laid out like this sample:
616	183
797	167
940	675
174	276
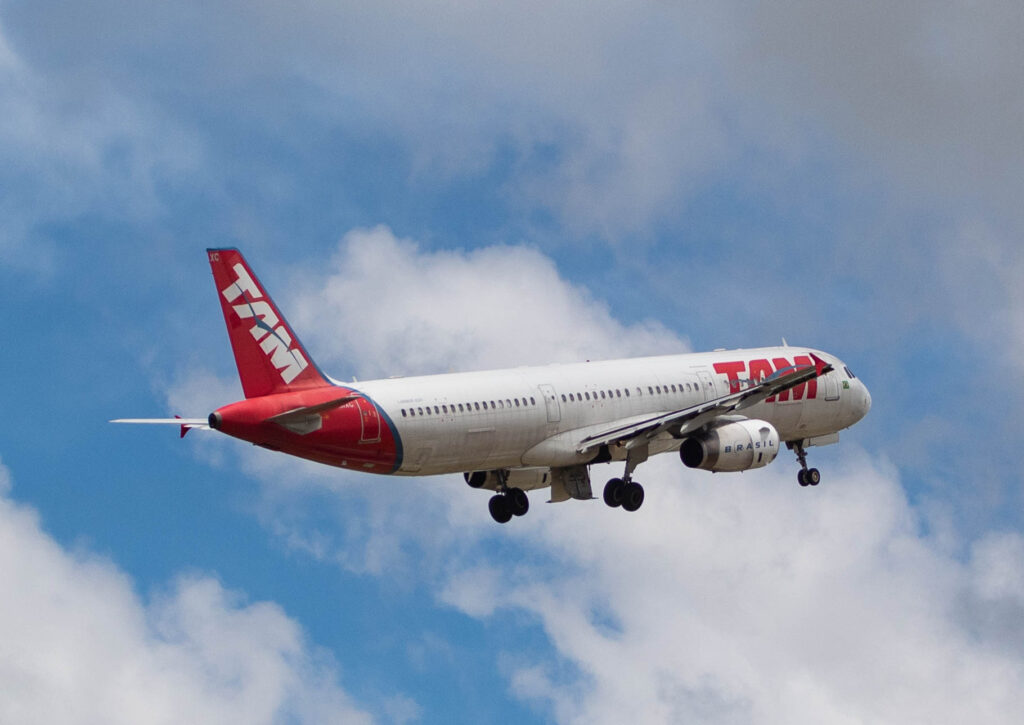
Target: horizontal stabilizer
311	409
186	424
307	419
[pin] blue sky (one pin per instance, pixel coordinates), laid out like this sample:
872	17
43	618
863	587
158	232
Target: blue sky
449	186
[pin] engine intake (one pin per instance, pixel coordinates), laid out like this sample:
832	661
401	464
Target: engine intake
737	446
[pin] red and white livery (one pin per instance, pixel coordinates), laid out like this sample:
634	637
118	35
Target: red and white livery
512	431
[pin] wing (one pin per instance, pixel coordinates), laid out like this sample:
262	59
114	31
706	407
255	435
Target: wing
681	422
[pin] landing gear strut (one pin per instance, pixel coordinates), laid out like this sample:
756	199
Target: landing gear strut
805	476
508	502
626	492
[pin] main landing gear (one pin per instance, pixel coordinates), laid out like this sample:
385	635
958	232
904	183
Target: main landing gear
805	476
626	492
513	502
508	502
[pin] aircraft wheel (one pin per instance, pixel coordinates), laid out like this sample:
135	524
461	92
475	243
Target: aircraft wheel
632	496
500	509
801	476
518	501
813	477
613	492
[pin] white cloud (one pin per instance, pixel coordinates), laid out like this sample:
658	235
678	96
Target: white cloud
78	646
403	310
751	599
727	598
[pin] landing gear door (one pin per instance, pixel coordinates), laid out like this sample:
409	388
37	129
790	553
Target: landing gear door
551	403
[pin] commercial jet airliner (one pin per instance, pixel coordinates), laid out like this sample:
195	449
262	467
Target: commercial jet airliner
517	430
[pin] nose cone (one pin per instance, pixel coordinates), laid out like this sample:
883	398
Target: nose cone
864	403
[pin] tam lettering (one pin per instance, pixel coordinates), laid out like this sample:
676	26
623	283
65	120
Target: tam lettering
274	338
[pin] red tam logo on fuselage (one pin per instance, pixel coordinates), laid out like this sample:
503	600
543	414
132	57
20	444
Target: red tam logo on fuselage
758	370
274	339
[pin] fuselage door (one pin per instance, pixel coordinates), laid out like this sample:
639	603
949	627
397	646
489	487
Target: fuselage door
551	403
707	384
369	419
831	382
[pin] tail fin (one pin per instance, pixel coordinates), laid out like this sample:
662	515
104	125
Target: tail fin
268	354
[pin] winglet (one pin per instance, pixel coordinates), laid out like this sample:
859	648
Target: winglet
820	365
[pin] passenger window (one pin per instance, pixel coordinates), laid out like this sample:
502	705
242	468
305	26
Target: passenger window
517	401
493	406
602	395
618	393
436	410
460	407
532	401
444	409
627	392
403	412
650	390
673	388
572	398
420	411
508	403
588	395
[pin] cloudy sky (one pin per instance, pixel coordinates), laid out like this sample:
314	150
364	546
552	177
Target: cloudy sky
438	186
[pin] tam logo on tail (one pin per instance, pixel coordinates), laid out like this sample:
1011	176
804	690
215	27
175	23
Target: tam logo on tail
273	337
269	355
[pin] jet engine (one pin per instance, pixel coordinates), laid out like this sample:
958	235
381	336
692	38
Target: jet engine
736	446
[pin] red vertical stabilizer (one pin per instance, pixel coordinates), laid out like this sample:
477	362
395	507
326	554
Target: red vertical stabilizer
268	354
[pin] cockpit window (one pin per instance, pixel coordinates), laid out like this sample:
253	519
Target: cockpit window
849	373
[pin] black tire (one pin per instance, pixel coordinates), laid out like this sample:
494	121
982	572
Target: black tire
613	492
813	477
801	477
500	509
518	501
632	496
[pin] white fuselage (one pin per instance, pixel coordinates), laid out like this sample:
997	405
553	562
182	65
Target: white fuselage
536	416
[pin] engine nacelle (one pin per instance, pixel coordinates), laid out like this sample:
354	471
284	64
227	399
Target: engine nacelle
736	446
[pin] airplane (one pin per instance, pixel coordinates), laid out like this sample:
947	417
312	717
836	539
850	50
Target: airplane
528	428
